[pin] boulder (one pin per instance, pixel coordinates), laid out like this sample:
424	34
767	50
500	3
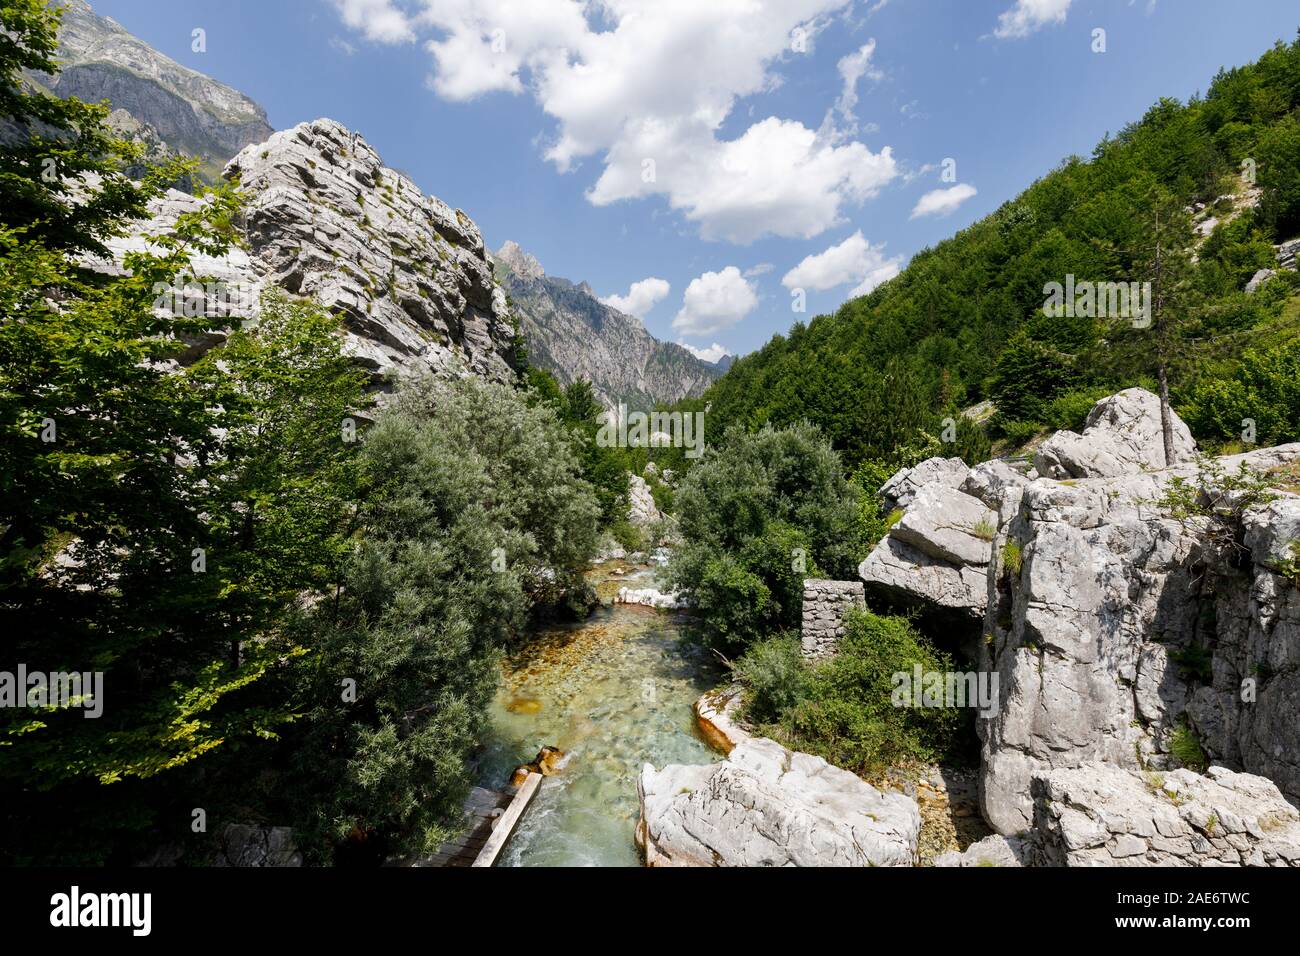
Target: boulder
949	525
641	508
994	850
768	806
903	485
899	574
1102	815
1121	436
243	845
716	717
1258	279
649	597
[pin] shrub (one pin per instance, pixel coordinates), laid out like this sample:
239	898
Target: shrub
774	673
629	536
841	709
456	479
1186	748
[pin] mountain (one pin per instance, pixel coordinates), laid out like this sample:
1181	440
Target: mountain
325	218
190	113
573	335
966	323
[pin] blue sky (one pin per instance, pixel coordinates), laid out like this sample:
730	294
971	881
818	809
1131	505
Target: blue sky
734	150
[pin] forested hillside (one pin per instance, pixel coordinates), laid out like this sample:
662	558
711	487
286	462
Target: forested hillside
1193	196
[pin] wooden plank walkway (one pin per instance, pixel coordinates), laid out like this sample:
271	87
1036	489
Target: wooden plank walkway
491	817
482	808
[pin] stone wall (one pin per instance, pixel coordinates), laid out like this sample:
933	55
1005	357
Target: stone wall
824	606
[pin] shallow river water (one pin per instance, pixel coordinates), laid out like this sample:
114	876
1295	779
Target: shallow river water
614	692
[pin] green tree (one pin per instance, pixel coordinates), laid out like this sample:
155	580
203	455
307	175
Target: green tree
758	515
470	498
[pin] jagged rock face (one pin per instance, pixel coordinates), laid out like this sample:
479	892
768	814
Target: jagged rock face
936	553
641	508
409	274
1100	815
325	218
191	112
1109	623
1096	640
904	484
1121	436
573	335
767	806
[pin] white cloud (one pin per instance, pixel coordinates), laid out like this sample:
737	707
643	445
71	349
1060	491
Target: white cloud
715	301
941	202
853	68
762	269
378	20
641	298
712	354
853	260
655	81
1028	16
874	278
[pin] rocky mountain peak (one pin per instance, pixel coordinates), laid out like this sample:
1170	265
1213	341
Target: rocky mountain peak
193	113
575	336
408	273
520	262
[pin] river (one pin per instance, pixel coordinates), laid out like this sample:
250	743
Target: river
614	692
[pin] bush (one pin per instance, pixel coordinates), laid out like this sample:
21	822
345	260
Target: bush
841	709
473	512
757	516
629	537
775	675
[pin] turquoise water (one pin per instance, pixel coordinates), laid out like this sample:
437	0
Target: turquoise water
614	693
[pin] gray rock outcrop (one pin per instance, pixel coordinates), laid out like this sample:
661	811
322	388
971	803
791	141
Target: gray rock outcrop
192	113
1122	435
904	484
1119	624
935	554
325	218
1101	815
768	806
641	507
1120	632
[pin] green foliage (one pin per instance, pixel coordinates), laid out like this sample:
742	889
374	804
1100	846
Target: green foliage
468	497
604	468
1012	557
629	536
964	322
1186	748
758	515
1264	389
841	709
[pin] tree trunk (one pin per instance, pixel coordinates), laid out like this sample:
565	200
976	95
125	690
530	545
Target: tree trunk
1166	421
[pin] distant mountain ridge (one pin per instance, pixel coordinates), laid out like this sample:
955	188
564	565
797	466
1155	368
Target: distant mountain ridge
192	113
573	335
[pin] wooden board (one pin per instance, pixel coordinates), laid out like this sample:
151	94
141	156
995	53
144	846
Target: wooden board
506	823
